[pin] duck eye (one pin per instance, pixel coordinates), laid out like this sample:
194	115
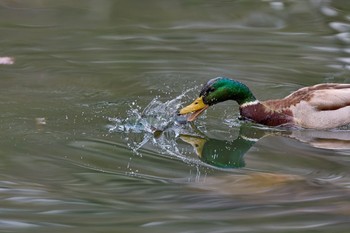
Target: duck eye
211	89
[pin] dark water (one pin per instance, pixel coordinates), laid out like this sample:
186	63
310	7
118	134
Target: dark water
89	139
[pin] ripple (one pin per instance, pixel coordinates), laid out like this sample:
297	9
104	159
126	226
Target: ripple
329	11
344	59
340	26
344	37
16	224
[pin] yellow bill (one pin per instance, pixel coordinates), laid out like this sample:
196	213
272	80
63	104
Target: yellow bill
196	109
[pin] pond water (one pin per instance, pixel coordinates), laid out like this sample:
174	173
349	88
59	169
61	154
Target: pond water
90	139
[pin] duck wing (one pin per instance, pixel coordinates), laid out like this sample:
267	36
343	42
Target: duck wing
331	98
327	96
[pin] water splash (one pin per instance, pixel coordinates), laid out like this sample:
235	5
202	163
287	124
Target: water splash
156	116
157	124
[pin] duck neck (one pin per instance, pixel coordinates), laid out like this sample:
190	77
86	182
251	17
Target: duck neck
242	94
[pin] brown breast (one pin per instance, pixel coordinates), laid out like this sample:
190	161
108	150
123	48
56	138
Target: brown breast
265	115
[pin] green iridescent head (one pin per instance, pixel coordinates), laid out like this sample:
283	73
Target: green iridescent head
221	89
215	91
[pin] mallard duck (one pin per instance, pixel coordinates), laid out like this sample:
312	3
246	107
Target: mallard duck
322	106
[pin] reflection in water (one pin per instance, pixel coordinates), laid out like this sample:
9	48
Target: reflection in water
229	154
222	153
269	200
332	140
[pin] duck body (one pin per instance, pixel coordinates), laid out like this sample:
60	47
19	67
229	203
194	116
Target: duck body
322	106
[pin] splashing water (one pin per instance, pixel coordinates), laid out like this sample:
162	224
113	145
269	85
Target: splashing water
156	117
158	124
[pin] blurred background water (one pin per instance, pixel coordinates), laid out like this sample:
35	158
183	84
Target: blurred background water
84	150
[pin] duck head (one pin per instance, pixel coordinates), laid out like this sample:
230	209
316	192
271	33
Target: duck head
215	91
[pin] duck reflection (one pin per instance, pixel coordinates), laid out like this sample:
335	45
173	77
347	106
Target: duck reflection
331	140
223	153
230	154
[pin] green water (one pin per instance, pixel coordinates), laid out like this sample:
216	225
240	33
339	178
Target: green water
71	161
